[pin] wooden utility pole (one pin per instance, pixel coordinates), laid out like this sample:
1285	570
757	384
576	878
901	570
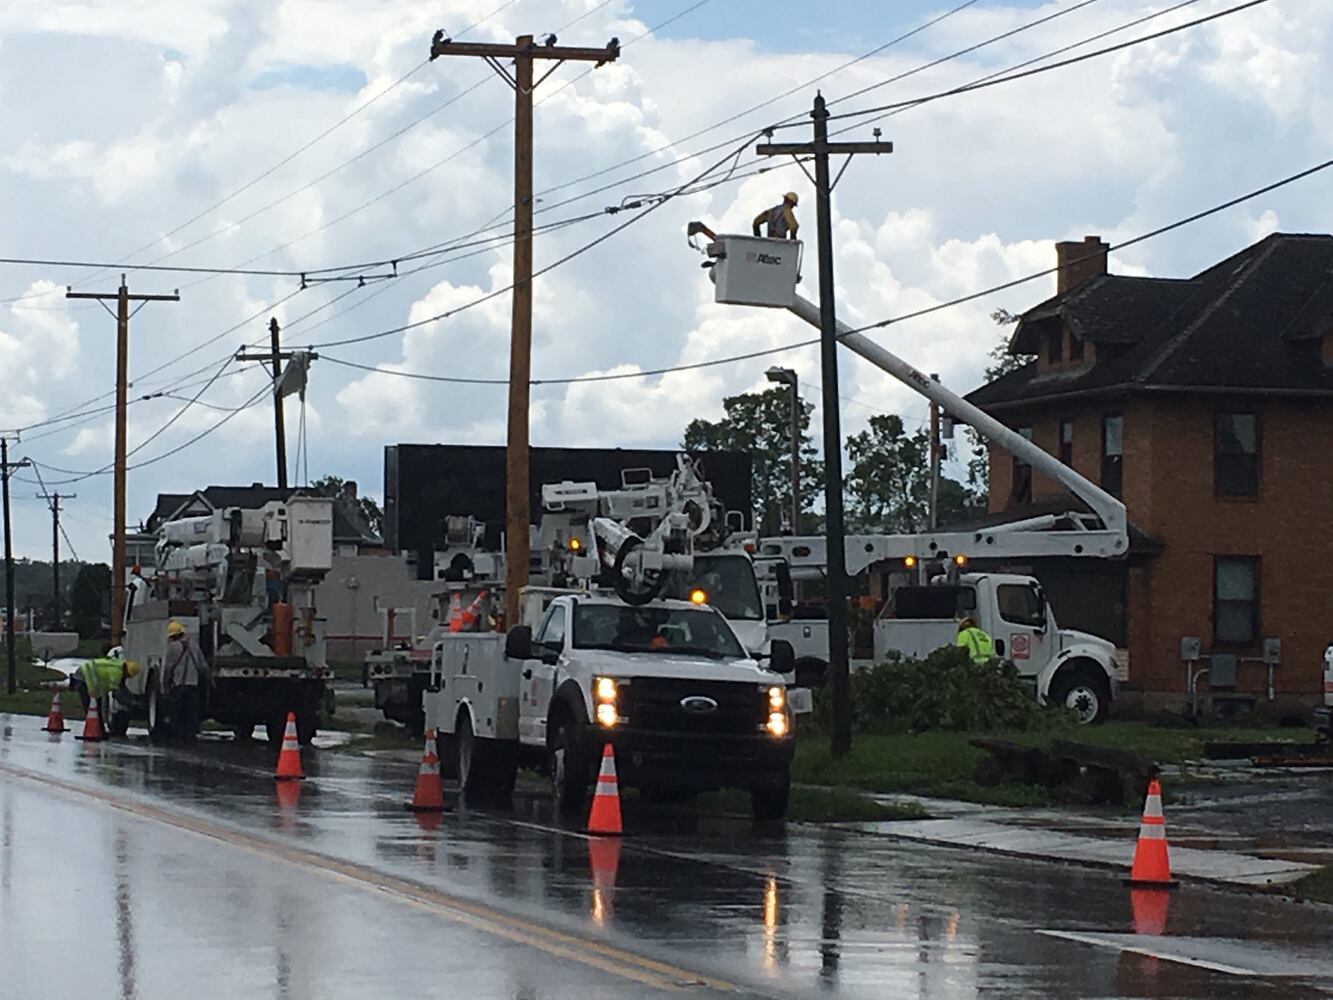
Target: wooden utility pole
820	150
524	53
6	469
275	357
54	500
123	299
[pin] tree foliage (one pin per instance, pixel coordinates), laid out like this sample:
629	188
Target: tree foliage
1000	362
90	599
332	486
759	424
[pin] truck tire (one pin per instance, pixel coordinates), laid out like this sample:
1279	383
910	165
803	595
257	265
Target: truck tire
471	757
158	728
811	673
503	768
769	805
307	724
1084	689
569	773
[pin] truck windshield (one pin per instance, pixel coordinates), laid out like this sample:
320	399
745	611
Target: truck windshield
730	584
701	632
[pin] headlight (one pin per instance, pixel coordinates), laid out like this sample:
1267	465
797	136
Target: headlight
605	689
607	715
777	724
777	698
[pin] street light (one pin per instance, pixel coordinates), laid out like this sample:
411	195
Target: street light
786	376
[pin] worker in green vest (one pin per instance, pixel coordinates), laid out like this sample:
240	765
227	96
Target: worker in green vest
99	678
974	639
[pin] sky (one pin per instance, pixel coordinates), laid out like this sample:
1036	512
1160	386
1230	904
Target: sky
217	134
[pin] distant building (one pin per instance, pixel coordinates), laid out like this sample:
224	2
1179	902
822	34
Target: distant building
1205	404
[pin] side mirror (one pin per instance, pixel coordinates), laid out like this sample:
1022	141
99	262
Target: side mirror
781	657
550	655
518	643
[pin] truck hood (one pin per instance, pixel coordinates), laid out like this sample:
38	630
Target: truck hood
1072	637
630	665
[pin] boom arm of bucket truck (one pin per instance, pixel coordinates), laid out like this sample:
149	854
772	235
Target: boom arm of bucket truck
744	275
640	532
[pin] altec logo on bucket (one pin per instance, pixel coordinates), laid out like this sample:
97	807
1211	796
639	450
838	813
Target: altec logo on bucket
763	258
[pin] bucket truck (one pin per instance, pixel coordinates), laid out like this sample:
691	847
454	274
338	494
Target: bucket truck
1065	667
242	582
618	646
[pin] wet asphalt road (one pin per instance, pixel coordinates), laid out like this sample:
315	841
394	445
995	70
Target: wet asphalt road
132	871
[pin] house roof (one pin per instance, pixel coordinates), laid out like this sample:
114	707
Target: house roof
1244	323
348	524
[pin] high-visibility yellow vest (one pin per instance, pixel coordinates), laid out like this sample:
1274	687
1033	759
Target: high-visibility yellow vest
977	643
102	676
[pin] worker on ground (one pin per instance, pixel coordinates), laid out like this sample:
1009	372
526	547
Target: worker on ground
780	220
98	678
186	671
974	639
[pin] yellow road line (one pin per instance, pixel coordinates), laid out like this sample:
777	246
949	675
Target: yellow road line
572	947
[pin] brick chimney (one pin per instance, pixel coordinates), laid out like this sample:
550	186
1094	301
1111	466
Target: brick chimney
349	491
1079	262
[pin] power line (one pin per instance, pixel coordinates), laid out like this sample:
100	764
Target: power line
1063	63
796	345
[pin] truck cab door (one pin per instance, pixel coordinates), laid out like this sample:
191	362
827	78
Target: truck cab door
1021	627
537	680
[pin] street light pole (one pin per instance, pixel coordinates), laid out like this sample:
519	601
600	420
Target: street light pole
788	377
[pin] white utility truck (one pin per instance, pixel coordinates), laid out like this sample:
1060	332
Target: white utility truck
668	682
721	567
242	582
1071	668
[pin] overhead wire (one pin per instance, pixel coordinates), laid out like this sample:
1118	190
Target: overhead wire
904	317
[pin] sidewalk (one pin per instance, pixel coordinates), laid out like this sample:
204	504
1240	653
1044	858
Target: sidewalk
1079	838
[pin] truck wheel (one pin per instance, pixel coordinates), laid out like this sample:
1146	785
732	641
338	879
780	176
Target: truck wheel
769	805
569	774
1085	690
811	674
307	724
158	729
471	757
504	770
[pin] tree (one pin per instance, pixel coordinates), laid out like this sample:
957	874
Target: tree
759	424
1002	362
888	484
90	599
332	486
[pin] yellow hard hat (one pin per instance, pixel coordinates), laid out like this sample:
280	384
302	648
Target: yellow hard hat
791	197
131	668
175	628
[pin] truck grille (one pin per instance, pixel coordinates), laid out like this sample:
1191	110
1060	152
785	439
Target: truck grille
657	703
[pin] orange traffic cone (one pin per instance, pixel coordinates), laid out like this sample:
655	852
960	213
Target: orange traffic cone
605	815
55	721
455	612
604	860
92	725
289	759
429	793
1152	866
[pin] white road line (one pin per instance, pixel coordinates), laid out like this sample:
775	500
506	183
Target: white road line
1149	952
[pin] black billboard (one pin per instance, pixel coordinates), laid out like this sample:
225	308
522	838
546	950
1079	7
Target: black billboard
425	483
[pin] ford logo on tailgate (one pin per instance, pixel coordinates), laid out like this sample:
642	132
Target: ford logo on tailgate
697	704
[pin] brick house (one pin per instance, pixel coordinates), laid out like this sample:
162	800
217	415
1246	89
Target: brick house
1201	402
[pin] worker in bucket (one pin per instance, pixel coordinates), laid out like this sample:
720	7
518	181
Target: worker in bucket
98	678
780	220
186	671
973	638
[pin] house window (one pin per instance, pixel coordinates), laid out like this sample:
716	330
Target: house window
1055	346
1235	599
1113	453
1022	476
1067	442
1075	347
1236	455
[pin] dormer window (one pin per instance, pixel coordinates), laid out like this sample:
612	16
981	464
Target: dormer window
1055	346
1075	347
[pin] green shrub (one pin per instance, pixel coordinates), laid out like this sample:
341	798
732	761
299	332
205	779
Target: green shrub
945	691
